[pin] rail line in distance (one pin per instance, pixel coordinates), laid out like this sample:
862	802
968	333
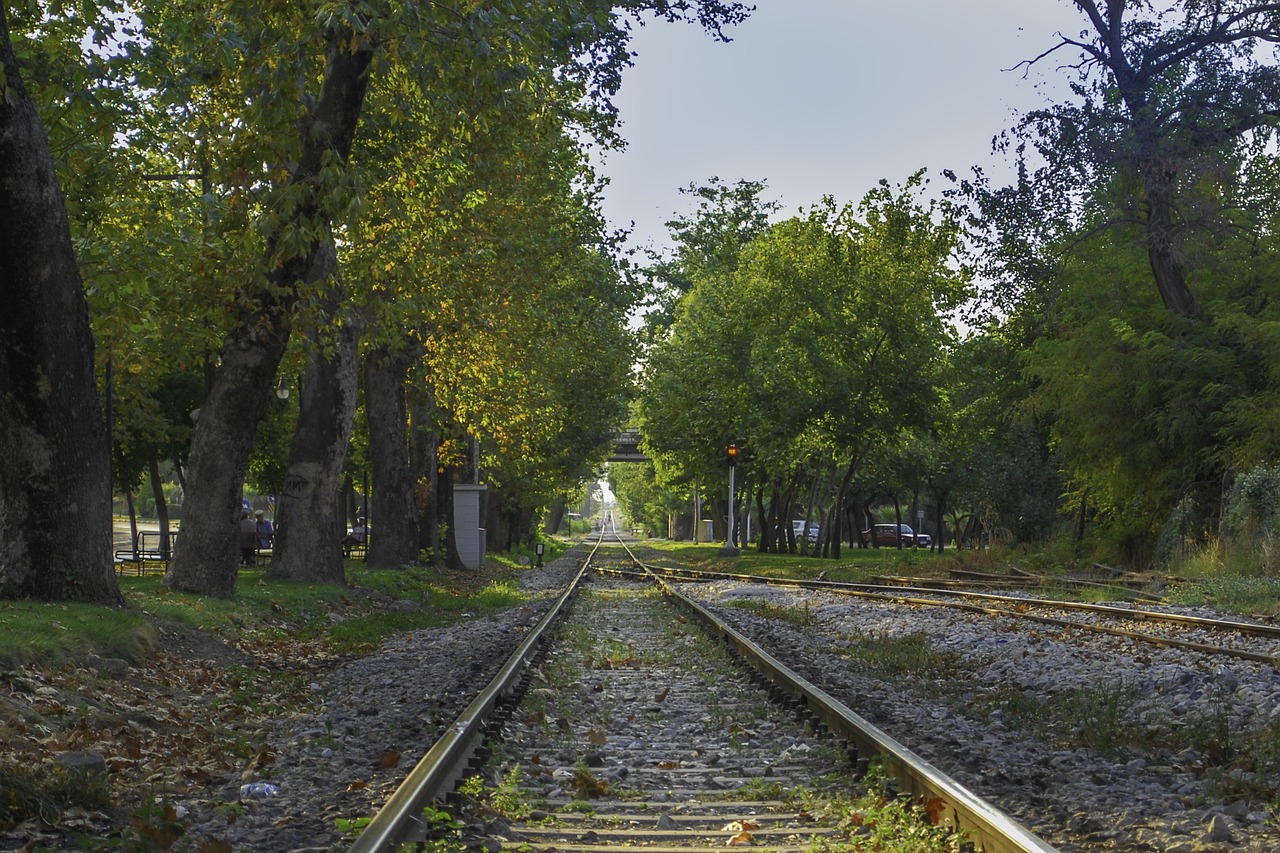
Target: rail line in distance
455	755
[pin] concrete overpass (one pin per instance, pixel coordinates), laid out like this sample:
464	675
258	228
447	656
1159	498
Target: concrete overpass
626	447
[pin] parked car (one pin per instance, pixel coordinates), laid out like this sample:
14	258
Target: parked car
797	528
888	535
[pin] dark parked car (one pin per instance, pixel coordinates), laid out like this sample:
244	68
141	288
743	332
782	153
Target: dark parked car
888	534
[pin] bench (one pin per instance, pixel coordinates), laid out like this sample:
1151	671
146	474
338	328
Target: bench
357	550
262	553
146	552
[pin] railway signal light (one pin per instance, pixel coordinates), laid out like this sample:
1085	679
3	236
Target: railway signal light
732	452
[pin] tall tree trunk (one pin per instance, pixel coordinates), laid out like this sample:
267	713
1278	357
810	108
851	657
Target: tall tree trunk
555	515
310	522
768	534
941	497
1078	539
897	517
841	493
1162	243
206	558
55	483
162	506
424	470
814	490
207	554
867	522
132	509
500	520
525	520
395	541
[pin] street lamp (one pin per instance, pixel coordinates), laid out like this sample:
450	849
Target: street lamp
282	390
729	549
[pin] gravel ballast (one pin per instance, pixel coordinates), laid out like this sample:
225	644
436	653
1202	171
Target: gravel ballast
332	764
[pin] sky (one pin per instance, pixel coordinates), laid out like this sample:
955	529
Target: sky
825	97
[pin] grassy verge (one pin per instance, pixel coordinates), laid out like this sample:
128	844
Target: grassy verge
1239	588
856	565
212	672
342	620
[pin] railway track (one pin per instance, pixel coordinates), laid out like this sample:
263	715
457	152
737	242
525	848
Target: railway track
635	731
1138	621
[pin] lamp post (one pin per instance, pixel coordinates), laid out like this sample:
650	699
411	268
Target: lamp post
729	549
697	512
732	453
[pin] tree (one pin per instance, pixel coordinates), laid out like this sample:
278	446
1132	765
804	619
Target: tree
204	559
1167	97
586	45
816	346
281	90
309	521
55	489
708	242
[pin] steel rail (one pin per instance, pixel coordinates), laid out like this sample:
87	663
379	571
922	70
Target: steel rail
990	830
433	777
899	595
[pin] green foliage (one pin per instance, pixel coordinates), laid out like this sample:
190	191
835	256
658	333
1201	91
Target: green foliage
352	827
205	151
1237	589
269	459
1253	510
823	341
644	501
708	242
875	819
1183	527
1102	717
507	797
1155	171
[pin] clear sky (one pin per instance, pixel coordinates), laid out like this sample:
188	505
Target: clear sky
825	97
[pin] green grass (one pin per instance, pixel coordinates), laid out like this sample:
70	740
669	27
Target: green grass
34	632
856	565
907	655
1240	594
800	616
344	620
